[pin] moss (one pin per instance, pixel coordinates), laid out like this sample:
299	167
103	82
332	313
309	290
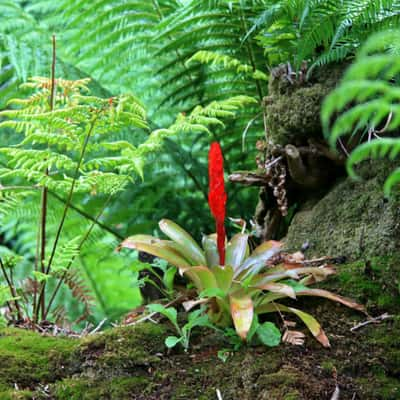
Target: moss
26	358
118	388
17	395
328	366
353	220
374	285
380	387
293	110
132	363
122	350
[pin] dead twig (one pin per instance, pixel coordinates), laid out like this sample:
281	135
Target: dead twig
375	320
98	327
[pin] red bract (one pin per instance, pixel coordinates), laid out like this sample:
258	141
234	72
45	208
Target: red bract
217	195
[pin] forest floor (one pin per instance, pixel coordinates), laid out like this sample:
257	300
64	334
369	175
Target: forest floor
133	363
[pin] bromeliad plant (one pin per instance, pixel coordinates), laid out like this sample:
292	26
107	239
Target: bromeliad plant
237	284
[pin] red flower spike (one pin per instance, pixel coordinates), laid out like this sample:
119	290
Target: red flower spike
217	195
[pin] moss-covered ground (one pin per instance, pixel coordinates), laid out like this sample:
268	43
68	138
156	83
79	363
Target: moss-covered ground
133	363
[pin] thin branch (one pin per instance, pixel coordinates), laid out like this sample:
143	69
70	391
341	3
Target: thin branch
12	290
375	320
71	192
88	216
85	237
43	218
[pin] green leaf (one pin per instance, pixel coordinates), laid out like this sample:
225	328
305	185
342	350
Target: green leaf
311	323
223	355
189	248
168	278
172	341
40	276
209	243
223	276
201	276
258	258
269	334
169	312
253	328
236	250
212	292
157	248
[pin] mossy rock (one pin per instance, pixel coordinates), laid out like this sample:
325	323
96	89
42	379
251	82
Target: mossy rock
132	363
293	108
353	219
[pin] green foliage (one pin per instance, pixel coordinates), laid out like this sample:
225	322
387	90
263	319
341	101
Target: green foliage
65	134
366	104
184	58
320	31
247	286
195	318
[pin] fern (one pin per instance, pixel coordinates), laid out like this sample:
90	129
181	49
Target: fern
368	98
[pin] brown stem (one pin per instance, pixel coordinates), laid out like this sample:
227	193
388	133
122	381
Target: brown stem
67	205
12	290
87	234
43	219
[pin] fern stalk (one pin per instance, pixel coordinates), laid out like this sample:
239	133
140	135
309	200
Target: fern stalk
85	237
44	199
12	289
66	208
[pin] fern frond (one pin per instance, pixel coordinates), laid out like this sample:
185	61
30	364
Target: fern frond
209	57
368	98
80	292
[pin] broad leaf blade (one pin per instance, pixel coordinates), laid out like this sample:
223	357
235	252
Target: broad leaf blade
258	258
242	311
311	323
279	288
236	250
201	276
209	243
158	250
189	248
224	277
332	296
269	334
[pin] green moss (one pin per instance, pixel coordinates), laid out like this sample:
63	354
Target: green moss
121	350
293	110
17	395
328	366
26	358
380	387
86	389
375	286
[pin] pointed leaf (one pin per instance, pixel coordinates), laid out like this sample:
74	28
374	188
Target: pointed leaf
157	250
242	311
224	277
236	250
311	323
210	249
258	258
332	296
189	248
279	288
201	276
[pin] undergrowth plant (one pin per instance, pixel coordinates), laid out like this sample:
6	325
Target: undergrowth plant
67	149
235	284
365	106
